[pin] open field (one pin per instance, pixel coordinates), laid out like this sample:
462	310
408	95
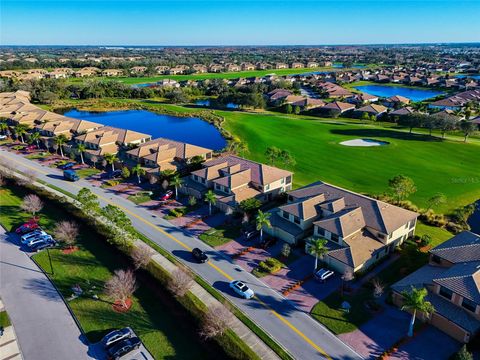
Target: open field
435	165
156	320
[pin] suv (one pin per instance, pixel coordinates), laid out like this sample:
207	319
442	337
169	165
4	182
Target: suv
45	243
40	239
123	347
32	235
199	255
115	336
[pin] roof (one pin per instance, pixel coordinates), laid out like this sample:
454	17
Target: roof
339	106
399	98
344	222
305	209
463	279
403	111
107	134
182	150
361	246
373	108
462	247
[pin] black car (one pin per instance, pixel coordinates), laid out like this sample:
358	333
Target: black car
123	347
67	166
115	336
115	174
199	255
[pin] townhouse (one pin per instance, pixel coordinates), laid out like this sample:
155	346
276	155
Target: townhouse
359	230
67	126
234	179
372	109
452	279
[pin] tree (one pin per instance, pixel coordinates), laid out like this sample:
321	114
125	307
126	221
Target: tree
141	255
467	128
250	205
436	200
463	354
115	215
288	108
121	286
216	321
347	276
152	179
414	300
3	127
20	130
402	186
67	232
262	220
94	160
32	203
180	282
139	171
211	199
88	200
378	288
34	138
176	182
286	250
81	149
272	153
410	121
164	184
192	201
318	249
125	172
287	158
60	140
445	123
296	109
110	159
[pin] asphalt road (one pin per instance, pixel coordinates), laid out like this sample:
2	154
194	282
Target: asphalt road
44	327
295	330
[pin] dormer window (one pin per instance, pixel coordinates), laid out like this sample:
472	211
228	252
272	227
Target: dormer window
469	305
446	293
296	220
334	237
285	215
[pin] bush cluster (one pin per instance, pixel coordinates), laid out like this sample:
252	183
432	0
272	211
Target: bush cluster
270	265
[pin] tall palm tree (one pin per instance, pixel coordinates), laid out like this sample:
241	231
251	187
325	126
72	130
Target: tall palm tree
211	199
81	149
414	300
20	130
110	159
262	220
3	127
60	140
139	171
176	182
318	248
34	138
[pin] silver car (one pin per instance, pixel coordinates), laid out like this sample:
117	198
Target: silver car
25	239
40	239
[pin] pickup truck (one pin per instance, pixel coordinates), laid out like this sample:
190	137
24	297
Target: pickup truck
70	175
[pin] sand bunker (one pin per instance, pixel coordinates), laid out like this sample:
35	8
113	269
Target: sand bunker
364	142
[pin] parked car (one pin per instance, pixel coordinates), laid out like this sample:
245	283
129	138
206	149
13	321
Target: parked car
3	137
24	239
40	245
27	227
123	347
199	255
115	336
70	175
323	274
241	289
38	240
115	174
168	195
67	166
251	234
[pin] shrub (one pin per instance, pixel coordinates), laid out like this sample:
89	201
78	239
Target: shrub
111	183
125	172
269	265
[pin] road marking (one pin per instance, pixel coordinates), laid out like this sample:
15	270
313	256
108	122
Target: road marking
185	246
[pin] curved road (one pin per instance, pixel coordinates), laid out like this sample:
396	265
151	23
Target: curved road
295	330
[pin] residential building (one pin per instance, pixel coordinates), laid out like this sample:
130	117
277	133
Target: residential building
297	65
112	72
338	107
372	109
452	279
281	66
359	230
66	126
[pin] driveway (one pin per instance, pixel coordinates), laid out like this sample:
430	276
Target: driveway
44	327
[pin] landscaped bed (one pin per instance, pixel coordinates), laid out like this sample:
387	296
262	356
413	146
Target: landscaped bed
221	235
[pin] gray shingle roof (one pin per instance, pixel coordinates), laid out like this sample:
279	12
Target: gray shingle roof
462	247
463	279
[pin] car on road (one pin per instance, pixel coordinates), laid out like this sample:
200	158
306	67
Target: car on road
167	196
40	245
24	239
115	336
123	347
199	255
67	166
70	175
27	227
242	289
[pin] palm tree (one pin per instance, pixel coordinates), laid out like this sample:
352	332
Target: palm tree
81	149
3	127
211	199
110	159
60	140
34	138
177	182
319	249
137	169
414	300
262	219
20	130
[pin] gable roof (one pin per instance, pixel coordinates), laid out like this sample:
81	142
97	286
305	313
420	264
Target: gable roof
344	222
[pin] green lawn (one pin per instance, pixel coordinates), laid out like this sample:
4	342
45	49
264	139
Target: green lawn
220	235
140	197
157	320
438	235
4	320
435	166
86	172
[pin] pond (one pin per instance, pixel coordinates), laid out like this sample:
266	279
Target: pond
206	103
186	129
410	93
471	76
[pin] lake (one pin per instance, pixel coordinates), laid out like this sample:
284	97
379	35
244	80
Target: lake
186	129
472	76
206	103
410	93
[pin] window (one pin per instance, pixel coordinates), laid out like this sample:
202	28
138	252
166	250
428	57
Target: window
446	293
436	259
334	237
296	220
469	305
285	215
195	177
381	236
289	179
267	187
282	181
412	224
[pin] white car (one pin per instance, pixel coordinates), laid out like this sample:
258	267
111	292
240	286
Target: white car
30	236
40	239
323	274
3	137
241	289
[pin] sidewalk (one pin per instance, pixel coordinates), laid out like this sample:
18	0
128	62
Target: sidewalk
9	349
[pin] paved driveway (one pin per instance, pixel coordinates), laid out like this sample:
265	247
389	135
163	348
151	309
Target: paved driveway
44	327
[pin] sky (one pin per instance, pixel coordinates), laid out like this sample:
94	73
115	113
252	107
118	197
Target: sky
241	22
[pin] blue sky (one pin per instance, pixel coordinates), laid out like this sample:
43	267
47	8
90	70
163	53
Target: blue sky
224	22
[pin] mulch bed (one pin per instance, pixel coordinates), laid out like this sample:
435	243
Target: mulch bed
70	250
118	306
